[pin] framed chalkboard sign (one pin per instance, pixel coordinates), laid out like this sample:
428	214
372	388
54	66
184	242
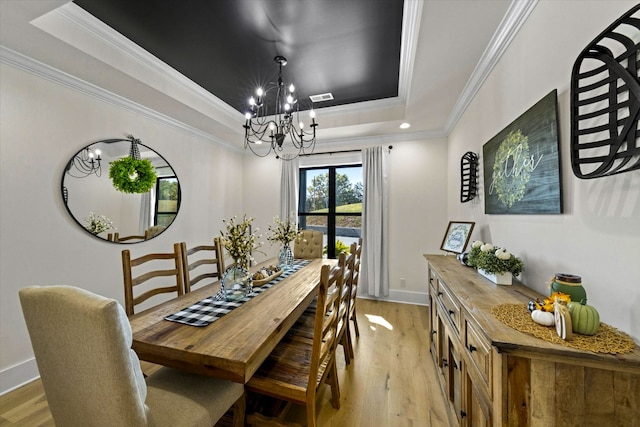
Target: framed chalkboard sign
521	164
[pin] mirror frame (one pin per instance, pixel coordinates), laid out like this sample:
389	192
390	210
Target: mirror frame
64	190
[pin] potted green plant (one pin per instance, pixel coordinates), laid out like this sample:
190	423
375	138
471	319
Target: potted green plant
495	263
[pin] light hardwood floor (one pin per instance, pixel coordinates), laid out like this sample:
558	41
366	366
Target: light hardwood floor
391	383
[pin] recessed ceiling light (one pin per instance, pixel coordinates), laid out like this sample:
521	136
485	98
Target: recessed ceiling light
405	125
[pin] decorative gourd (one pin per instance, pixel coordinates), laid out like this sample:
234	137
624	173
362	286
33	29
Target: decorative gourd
584	318
563	321
543	318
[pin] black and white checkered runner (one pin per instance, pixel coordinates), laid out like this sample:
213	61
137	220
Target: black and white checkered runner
211	309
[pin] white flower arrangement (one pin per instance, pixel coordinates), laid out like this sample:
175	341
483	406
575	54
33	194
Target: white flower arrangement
492	259
98	224
283	232
239	241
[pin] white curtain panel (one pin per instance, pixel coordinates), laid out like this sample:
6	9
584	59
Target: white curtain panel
374	267
289	187
146	210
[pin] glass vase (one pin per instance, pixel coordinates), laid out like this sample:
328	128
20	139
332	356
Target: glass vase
285	257
236	283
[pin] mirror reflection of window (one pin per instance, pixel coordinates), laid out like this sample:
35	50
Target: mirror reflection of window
167	200
131	215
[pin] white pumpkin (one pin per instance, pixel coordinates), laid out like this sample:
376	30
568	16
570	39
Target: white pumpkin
543	317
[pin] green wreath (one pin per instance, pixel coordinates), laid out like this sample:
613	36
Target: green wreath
130	175
510	180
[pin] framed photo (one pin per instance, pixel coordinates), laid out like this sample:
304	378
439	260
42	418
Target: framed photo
457	236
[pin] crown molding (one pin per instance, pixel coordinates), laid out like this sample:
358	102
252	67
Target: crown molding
31	66
78	17
516	15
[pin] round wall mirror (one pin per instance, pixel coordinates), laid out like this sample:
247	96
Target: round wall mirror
94	203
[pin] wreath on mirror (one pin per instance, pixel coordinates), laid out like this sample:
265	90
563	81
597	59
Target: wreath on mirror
131	175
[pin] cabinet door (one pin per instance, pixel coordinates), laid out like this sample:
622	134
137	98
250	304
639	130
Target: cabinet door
434	333
452	371
477	410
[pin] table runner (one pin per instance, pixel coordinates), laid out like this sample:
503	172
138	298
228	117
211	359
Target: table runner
210	309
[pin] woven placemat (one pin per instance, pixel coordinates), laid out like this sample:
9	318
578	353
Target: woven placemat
607	340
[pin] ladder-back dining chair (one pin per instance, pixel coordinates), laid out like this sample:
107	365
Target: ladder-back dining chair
305	325
298	366
200	263
354	289
308	244
155	274
92	377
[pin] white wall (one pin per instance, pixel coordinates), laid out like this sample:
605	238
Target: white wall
42	125
598	235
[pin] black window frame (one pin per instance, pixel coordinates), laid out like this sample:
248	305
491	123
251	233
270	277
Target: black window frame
156	211
331	202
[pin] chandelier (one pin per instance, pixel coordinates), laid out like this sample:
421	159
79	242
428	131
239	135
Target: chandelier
85	163
272	126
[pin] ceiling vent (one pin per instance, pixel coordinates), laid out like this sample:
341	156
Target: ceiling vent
322	97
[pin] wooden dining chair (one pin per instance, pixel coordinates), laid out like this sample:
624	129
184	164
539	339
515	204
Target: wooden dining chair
172	273
354	289
92	377
153	231
305	325
200	263
308	244
116	237
298	366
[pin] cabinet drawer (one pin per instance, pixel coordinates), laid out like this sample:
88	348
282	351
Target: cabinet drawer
478	350
433	280
451	307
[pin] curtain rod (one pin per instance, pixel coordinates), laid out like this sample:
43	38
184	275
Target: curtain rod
336	152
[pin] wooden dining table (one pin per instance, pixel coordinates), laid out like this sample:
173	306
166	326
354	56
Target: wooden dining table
234	346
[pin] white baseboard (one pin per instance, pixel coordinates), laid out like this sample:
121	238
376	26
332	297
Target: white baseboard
18	375
404	297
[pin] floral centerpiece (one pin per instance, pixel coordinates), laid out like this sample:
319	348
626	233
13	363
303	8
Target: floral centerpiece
283	232
240	242
98	224
493	261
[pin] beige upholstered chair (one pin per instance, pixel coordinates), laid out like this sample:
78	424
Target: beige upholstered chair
308	245
92	377
200	263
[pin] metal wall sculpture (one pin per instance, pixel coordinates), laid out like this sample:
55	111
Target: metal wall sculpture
468	176
605	101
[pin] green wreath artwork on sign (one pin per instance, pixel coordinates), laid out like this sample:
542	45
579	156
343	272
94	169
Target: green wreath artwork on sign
510	179
521	163
130	175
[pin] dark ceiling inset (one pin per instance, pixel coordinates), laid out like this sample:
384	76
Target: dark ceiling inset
350	48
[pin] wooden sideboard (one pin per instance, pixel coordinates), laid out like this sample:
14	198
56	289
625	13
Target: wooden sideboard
493	375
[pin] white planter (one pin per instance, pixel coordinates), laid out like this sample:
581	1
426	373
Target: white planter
498	279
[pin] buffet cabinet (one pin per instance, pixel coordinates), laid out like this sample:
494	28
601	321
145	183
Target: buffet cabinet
492	375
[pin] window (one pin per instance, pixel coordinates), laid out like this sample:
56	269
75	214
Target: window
331	201
167	200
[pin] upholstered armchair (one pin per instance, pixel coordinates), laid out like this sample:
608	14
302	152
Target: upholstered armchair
92	377
308	244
